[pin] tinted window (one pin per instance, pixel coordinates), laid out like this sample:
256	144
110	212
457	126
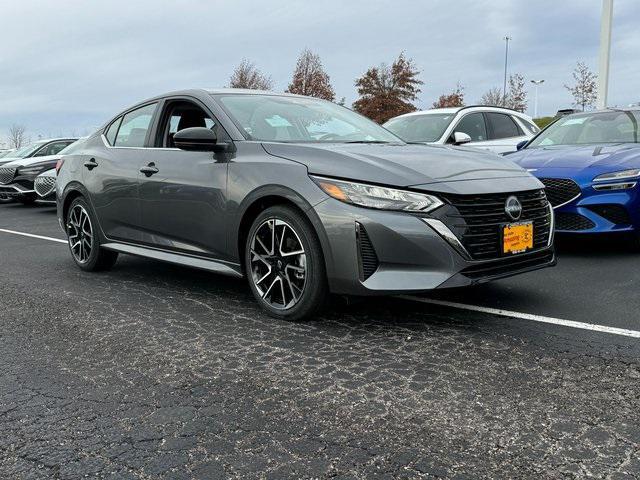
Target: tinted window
111	132
180	115
502	126
420	128
530	127
474	126
53	148
133	131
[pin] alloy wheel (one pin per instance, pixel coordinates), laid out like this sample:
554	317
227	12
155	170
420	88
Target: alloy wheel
80	234
278	264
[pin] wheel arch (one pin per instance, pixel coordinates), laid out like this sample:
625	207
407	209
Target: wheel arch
269	196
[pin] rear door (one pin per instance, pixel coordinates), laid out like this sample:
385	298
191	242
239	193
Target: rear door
183	197
111	167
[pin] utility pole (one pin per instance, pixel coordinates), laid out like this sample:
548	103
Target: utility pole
605	53
506	61
535	103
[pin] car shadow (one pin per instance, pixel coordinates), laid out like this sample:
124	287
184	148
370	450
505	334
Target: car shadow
600	245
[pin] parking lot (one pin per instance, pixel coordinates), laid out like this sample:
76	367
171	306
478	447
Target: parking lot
153	370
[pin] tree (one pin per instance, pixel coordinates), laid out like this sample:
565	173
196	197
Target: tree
246	75
309	77
585	90
17	136
517	95
453	99
387	91
492	97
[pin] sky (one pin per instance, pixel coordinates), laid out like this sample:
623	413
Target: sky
67	67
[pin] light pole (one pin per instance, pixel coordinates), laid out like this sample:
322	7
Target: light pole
506	61
535	103
605	53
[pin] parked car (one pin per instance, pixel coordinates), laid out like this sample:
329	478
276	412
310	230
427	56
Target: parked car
17	177
45	186
41	148
300	195
496	129
590	166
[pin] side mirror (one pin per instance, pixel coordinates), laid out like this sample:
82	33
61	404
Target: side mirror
521	144
198	139
460	138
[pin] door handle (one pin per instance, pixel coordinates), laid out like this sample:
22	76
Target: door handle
91	164
149	169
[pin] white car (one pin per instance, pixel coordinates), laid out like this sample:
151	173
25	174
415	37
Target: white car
496	129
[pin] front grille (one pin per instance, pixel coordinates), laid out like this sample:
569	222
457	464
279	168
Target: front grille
367	258
573	222
560	190
509	266
478	220
44	186
614	213
7	174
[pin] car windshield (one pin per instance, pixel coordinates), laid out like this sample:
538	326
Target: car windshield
420	128
300	119
24	152
591	128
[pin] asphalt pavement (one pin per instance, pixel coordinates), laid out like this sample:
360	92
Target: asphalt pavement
158	371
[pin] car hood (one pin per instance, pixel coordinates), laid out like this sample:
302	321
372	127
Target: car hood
602	157
25	162
397	164
4	161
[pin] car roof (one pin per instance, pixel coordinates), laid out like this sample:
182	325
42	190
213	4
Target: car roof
455	110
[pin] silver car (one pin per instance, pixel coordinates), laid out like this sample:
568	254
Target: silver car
301	196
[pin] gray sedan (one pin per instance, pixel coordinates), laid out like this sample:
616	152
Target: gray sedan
301	196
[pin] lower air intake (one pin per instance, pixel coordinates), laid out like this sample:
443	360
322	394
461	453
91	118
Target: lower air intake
367	258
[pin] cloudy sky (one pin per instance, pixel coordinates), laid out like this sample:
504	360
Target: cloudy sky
66	67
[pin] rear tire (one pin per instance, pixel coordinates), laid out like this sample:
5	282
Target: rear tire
284	264
84	241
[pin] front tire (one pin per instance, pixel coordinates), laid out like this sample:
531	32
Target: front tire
84	242
285	265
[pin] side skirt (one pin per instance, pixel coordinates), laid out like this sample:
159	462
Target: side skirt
195	262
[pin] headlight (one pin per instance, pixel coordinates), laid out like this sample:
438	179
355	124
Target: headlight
36	169
634	173
373	196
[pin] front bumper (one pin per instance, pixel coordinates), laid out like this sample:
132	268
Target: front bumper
412	254
600	212
15	190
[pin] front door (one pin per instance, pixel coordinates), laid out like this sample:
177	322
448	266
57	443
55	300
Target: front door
183	194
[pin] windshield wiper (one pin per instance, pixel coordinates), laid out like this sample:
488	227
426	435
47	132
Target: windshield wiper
366	141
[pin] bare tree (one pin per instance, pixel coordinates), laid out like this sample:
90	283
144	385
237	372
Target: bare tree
309	77
453	99
517	95
17	135
387	91
492	97
585	89
246	75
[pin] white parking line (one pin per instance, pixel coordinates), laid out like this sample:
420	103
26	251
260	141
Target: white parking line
527	316
51	239
462	306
